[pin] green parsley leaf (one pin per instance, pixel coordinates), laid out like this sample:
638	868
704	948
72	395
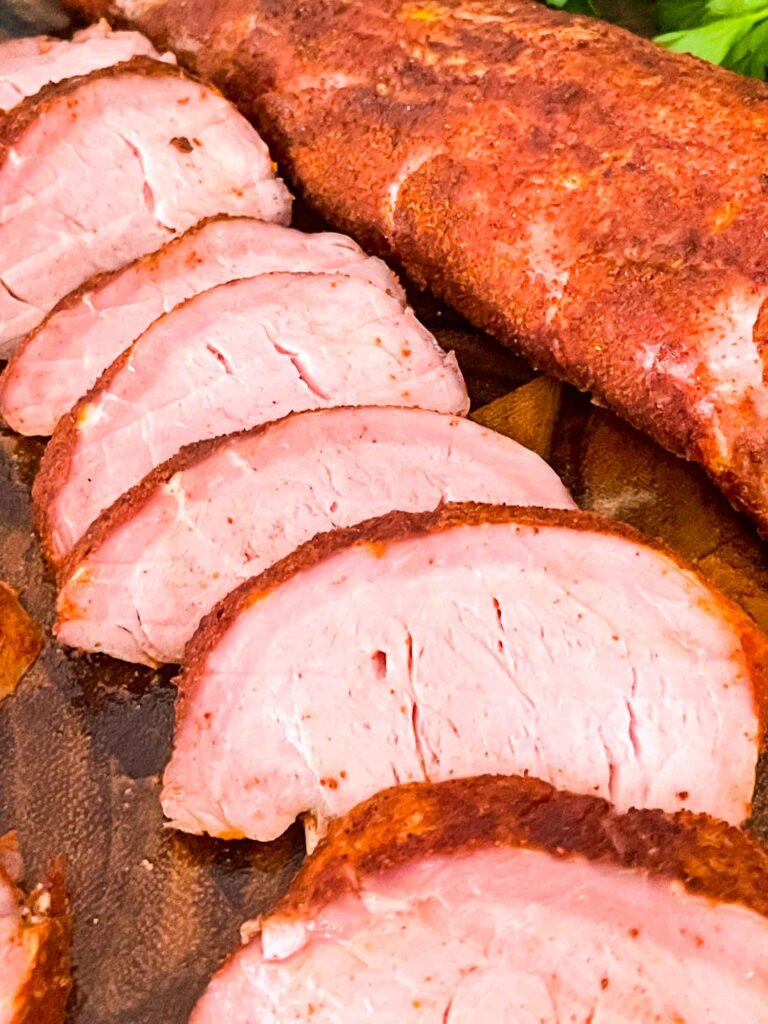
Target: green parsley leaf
733	33
675	15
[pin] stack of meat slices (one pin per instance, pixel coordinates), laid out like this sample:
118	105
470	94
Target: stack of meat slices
98	169
259	468
63	358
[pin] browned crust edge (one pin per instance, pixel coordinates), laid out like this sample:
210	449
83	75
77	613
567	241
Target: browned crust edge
13	124
44	998
99	281
741	493
397	526
46	932
410	822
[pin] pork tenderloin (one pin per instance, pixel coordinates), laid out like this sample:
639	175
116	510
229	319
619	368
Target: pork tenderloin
592	199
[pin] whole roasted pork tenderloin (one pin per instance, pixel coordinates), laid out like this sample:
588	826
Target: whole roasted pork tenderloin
595	201
63	357
235	356
471	639
102	168
29	63
220	511
34	945
500	899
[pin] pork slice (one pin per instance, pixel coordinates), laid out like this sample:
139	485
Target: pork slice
492	899
34	945
145	573
474	638
102	168
235	356
27	64
63	357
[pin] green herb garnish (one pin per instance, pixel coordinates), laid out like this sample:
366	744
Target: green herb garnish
733	33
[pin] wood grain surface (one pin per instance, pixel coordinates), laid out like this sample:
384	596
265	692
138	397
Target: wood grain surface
84	738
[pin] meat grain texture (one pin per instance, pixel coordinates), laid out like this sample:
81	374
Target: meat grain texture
593	200
100	169
235	356
27	64
61	359
499	899
34	945
471	639
221	511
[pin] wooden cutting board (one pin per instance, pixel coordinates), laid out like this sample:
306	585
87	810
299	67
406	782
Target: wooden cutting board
83	740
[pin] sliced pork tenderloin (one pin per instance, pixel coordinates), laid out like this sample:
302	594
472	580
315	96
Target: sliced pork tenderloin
470	639
138	583
235	356
102	168
62	358
27	64
595	201
500	899
34	945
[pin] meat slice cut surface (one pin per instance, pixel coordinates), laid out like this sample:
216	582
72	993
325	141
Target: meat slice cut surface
143	576
27	64
235	356
62	358
492	899
34	945
172	152
470	639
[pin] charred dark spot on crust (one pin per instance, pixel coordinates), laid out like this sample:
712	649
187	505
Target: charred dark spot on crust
182	144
